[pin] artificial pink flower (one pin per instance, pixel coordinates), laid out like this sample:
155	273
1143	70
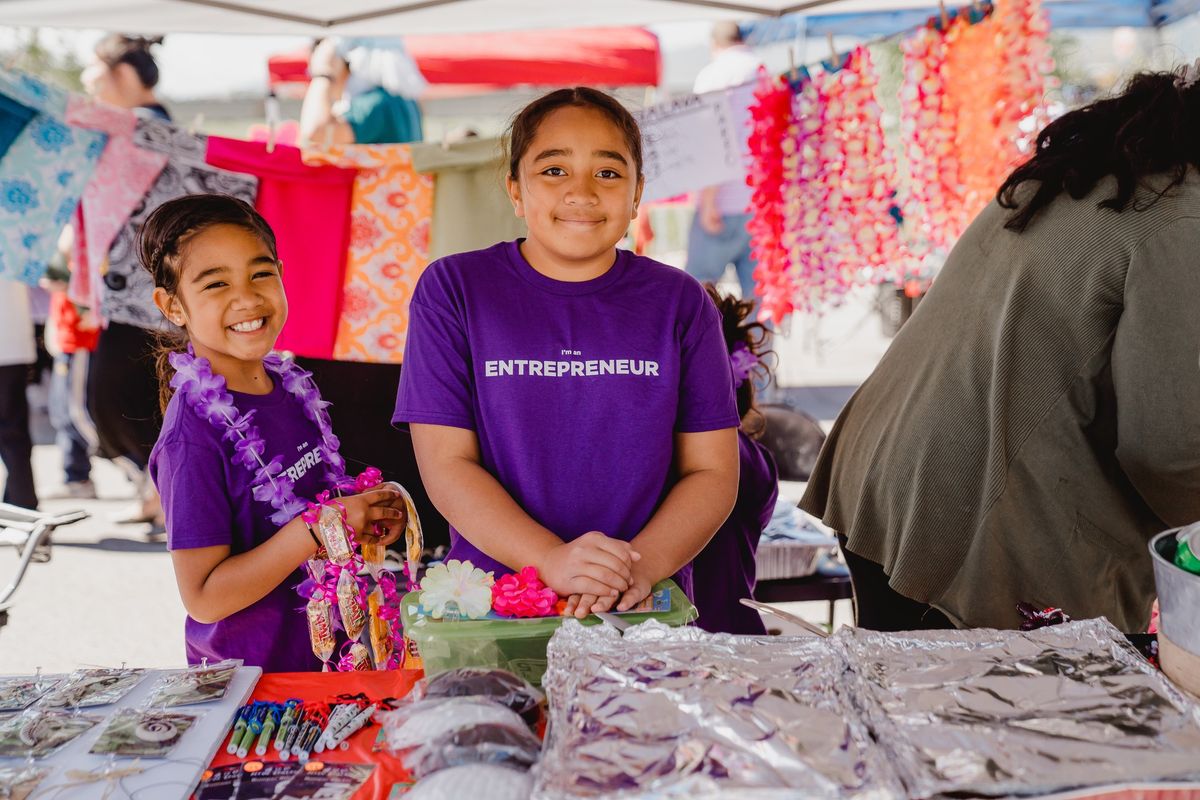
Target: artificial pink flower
522	594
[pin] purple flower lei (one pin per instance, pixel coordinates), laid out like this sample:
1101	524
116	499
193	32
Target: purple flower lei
206	394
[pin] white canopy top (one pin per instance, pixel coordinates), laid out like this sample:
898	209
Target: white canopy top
397	17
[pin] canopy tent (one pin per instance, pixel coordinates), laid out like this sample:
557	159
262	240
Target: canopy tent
868	18
414	17
593	56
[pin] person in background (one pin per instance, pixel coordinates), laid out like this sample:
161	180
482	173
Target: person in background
718	236
361	92
17	353
123	73
122	383
724	571
71	335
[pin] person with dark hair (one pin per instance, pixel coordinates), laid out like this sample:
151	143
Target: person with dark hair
1038	418
725	571
121	383
245	443
123	73
571	404
18	353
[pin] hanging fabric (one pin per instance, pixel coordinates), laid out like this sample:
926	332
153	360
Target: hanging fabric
309	209
14	117
973	101
859	239
128	294
123	176
471	209
390	216
42	177
771	116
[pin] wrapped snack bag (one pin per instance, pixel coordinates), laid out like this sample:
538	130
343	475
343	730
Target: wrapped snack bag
354	617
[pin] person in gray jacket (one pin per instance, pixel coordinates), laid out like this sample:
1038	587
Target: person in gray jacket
1038	418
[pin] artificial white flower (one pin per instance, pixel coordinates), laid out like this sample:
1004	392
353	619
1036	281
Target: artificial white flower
457	589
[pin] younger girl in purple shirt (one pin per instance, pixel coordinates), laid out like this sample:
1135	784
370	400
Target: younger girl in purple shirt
245	441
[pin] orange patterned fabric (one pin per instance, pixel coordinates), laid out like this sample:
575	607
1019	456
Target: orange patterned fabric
390	215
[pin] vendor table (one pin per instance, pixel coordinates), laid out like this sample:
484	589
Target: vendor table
325	686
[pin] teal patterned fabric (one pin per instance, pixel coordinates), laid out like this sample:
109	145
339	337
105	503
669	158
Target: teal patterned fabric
42	177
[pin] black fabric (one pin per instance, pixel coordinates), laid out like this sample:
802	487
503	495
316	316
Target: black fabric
363	398
16	445
879	607
123	393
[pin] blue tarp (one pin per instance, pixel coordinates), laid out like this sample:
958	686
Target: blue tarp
1064	14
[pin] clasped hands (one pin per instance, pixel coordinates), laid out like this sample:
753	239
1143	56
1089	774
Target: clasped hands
595	573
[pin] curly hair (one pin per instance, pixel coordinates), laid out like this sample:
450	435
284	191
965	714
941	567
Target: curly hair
1152	127
738	328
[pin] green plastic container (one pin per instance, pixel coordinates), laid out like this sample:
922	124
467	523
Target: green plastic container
517	645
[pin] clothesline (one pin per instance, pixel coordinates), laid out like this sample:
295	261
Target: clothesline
975	13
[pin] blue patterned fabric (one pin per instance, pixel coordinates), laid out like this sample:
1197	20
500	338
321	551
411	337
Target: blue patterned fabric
42	176
13	119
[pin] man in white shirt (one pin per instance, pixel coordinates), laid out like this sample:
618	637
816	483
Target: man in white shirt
718	236
17	352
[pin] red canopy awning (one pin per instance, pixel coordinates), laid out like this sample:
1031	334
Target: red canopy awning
594	56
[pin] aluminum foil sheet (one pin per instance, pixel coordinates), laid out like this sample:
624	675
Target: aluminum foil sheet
677	712
999	712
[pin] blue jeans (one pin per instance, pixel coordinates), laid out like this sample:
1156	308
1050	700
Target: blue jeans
709	255
64	387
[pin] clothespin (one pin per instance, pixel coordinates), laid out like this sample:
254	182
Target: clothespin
272	112
833	53
791	64
197	123
945	17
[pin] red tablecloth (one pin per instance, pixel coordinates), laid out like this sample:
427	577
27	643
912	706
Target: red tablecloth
323	687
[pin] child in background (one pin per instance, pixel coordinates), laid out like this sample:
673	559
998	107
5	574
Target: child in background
724	572
235	477
561	394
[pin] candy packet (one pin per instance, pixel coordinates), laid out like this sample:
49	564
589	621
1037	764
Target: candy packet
198	684
333	533
91	687
354	617
141	732
327	781
320	628
219	783
40	732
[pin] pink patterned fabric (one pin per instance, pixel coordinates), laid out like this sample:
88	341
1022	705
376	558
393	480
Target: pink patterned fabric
122	178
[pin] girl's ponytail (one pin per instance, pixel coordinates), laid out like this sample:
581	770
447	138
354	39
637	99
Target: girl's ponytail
748	344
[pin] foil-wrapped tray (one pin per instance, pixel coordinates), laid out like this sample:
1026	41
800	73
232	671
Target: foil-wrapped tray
666	713
987	712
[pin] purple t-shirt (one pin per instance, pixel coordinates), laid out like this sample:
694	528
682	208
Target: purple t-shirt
575	390
207	501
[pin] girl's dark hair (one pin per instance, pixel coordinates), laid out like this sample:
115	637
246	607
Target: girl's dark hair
117	49
163	242
525	125
756	337
1152	127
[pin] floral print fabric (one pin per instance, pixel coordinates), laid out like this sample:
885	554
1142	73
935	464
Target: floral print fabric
42	177
390	215
123	176
128	294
